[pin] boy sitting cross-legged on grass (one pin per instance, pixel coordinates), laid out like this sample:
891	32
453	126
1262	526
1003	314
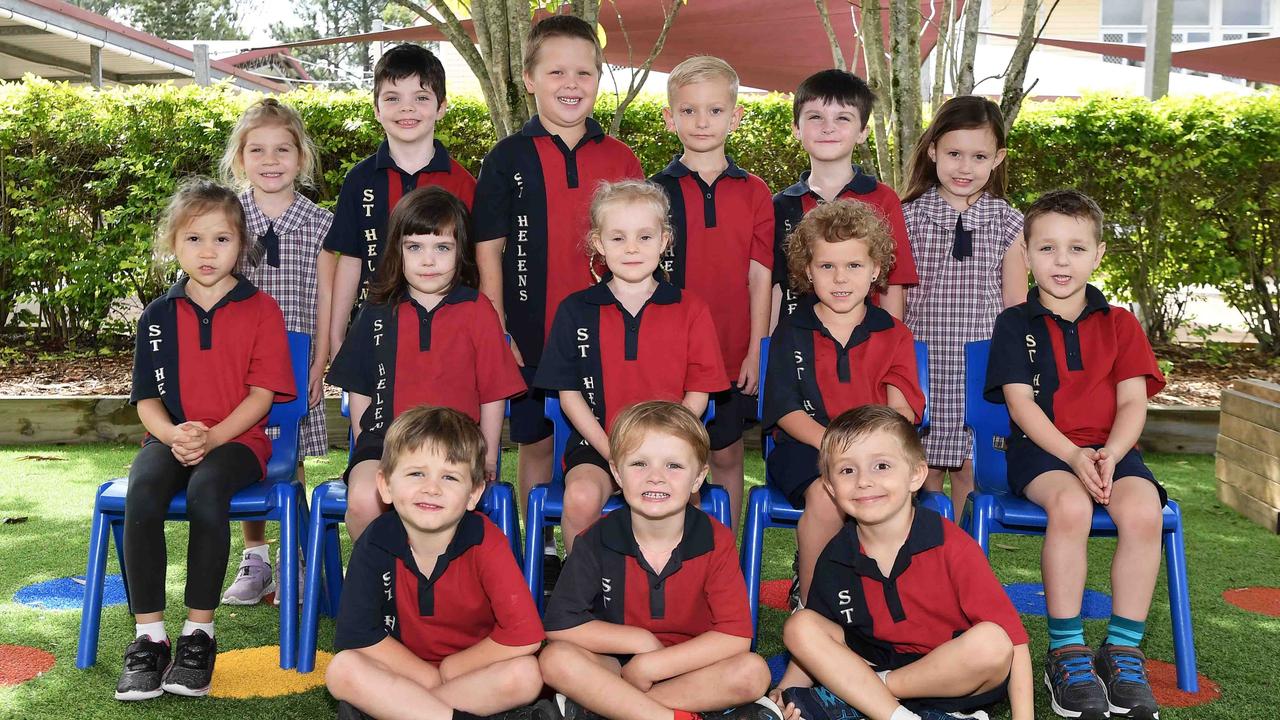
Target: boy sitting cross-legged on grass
436	620
905	618
649	620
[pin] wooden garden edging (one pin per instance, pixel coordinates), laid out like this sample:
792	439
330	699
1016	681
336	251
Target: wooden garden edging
1248	454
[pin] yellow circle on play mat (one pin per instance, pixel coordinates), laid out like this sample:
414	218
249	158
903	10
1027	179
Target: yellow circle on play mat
256	672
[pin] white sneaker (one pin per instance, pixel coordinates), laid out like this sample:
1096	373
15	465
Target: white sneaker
253	582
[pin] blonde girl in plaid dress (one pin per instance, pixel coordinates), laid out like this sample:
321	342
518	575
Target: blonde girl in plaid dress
270	156
966	240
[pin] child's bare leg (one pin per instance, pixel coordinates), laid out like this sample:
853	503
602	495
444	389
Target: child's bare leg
533	468
363	504
255	533
726	471
586	490
734	681
817	644
494	688
1135	509
387	681
1064	560
976	661
819	523
933	481
594	682
961	486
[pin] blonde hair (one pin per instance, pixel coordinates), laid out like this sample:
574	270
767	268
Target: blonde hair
702	68
565	26
853	425
448	431
836	222
625	192
268	111
657	416
197	196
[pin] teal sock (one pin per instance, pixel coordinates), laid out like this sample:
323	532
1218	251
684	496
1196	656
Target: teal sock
1065	631
1123	631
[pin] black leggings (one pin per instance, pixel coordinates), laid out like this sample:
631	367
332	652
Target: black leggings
155	477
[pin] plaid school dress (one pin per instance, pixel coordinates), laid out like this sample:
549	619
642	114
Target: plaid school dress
956	302
282	263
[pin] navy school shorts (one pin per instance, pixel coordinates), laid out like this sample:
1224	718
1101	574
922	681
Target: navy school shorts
528	422
368	447
1027	461
792	467
734	413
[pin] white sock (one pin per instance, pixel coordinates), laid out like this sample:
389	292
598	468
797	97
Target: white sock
154	629
189	628
884	676
903	714
261	551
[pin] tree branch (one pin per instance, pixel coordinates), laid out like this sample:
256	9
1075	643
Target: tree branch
873	55
969	48
638	78
837	55
1013	95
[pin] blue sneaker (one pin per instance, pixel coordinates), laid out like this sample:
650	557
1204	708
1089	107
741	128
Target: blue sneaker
1074	688
819	703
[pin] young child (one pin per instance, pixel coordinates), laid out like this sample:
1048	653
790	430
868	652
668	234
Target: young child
836	351
964	237
408	100
270	156
905	618
1076	373
531	214
627	339
830	115
426	336
211	358
722	220
435	621
650	618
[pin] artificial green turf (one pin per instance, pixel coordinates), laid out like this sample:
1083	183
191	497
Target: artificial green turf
54	487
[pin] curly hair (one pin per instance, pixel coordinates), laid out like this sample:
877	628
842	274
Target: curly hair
835	222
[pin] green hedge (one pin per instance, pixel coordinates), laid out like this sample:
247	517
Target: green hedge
1189	185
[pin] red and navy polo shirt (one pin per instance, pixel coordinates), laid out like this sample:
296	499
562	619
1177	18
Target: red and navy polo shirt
940	586
1073	368
607	578
202	363
811	371
617	360
372	189
474	592
402	355
791	205
536	191
719	230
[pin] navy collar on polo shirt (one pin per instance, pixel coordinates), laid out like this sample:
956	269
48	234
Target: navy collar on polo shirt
677	169
1094	301
875	320
862	184
439	159
602	294
459	294
535	128
391	536
618	535
243	290
925	534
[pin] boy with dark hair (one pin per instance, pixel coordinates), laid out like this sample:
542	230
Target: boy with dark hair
1076	373
830	115
905	618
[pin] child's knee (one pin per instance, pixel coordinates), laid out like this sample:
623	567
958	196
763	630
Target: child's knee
819	507
1137	515
521	680
802	628
748	676
340	676
1070	511
555	661
584	497
992	649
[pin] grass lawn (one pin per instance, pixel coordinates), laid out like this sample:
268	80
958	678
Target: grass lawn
54	487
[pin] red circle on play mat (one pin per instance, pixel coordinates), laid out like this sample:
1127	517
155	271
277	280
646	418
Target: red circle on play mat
773	593
1164	683
1261	600
19	663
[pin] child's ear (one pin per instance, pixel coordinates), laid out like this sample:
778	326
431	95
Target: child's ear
1102	250
736	118
444	105
668	119
702	477
528	82
866	131
477	490
1000	155
617	476
933	153
384	487
918	476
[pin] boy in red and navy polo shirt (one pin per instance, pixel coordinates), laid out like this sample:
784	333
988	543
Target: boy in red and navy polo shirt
436	620
1076	373
531	212
650	615
408	100
905	615
722	220
836	351
830	115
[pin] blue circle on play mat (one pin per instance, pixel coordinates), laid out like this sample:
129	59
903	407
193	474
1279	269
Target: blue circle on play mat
1028	598
777	665
68	593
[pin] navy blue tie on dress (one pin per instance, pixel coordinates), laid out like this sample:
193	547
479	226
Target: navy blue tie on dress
963	245
271	242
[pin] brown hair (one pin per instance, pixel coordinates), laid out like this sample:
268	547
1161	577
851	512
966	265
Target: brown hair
407	60
443	429
625	191
701	68
1071	203
836	222
268	111
966	112
834	86
197	196
565	26
853	425
641	419
430	210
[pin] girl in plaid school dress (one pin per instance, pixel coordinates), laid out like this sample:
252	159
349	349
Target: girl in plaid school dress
966	240
269	156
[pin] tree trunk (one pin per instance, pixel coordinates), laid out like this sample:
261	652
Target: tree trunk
1011	100
969	47
837	55
877	74
941	51
904	87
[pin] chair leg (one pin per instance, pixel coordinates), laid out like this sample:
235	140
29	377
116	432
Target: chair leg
332	565
966	515
95	577
1184	649
117	537
288	590
981	523
753	526
509	517
534	528
312	592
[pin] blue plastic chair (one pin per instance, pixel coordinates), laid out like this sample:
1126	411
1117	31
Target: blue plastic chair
279	497
328	510
767	507
992	509
546	502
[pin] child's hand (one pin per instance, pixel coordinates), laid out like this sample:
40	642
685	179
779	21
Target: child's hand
641	672
515	352
315	383
490	473
1106	472
1084	463
789	710
749	375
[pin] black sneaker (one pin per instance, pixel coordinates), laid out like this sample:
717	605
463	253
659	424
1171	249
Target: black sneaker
1074	688
145	662
1124	674
192	670
541	710
819	703
762	709
570	710
347	711
551	566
